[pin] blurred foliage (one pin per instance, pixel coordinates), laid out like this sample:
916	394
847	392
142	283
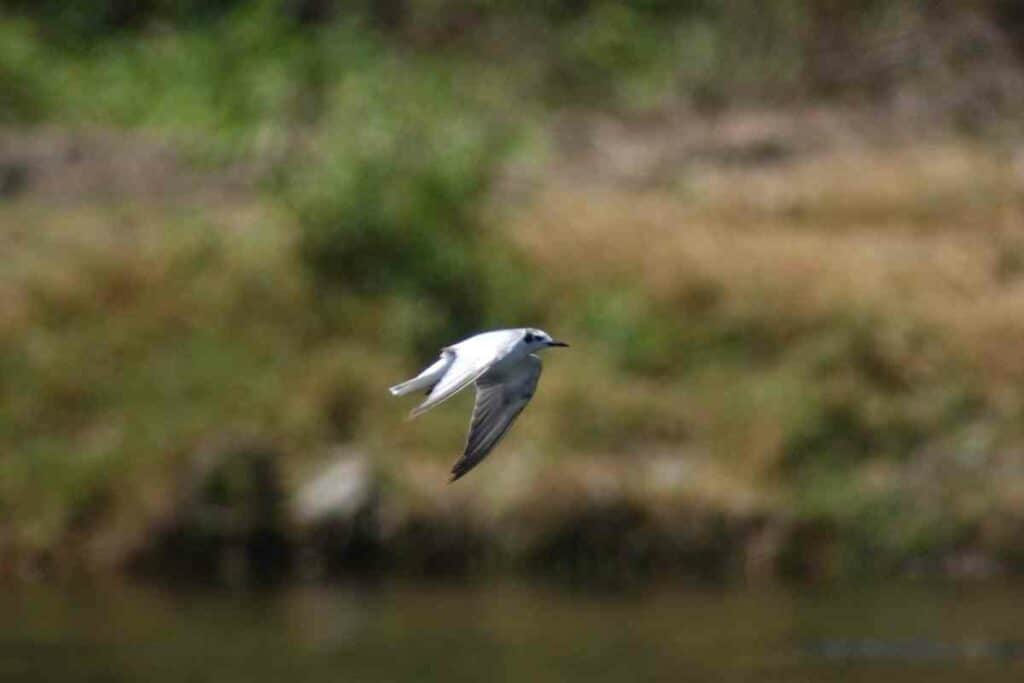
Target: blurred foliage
389	201
232	88
567	52
379	136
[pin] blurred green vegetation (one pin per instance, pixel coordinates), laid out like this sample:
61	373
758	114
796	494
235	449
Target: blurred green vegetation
222	67
396	210
379	224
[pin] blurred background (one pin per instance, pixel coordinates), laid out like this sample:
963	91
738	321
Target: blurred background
786	243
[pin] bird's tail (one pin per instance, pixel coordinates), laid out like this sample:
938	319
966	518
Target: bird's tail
409	386
423	381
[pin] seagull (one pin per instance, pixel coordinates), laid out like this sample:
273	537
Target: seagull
505	369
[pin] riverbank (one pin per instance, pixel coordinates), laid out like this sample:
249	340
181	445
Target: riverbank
803	365
786	242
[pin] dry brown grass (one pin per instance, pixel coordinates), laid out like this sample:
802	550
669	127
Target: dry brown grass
930	235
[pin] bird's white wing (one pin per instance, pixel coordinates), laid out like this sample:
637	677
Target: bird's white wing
498	404
472	359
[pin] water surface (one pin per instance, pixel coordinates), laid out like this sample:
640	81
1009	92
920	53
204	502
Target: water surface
511	632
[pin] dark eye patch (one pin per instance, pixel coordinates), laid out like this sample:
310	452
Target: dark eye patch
529	338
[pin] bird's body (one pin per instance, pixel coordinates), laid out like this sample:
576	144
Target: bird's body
505	369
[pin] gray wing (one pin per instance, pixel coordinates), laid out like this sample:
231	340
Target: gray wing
498	404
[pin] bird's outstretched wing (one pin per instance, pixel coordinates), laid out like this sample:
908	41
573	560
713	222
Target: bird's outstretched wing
498	404
471	361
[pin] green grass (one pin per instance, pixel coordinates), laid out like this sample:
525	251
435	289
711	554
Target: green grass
127	359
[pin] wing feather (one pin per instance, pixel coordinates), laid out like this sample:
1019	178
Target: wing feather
459	376
498	404
472	360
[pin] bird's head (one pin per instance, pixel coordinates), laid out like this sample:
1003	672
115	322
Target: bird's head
539	339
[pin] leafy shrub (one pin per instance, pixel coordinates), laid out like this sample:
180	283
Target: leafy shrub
22	97
390	202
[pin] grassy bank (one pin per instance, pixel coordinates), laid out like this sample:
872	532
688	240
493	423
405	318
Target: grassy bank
795	345
791	368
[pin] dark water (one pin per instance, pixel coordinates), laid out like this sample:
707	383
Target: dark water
510	632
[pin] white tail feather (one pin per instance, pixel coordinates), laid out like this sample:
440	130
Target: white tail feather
408	387
425	380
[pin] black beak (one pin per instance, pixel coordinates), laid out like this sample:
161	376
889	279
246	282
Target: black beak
557	343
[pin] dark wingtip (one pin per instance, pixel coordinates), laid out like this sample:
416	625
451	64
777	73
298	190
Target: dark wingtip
459	470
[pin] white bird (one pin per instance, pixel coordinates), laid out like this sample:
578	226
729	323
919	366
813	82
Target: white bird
505	369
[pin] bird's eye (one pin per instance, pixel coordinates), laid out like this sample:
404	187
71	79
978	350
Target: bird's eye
529	338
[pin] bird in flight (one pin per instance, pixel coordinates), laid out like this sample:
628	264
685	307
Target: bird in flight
505	368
